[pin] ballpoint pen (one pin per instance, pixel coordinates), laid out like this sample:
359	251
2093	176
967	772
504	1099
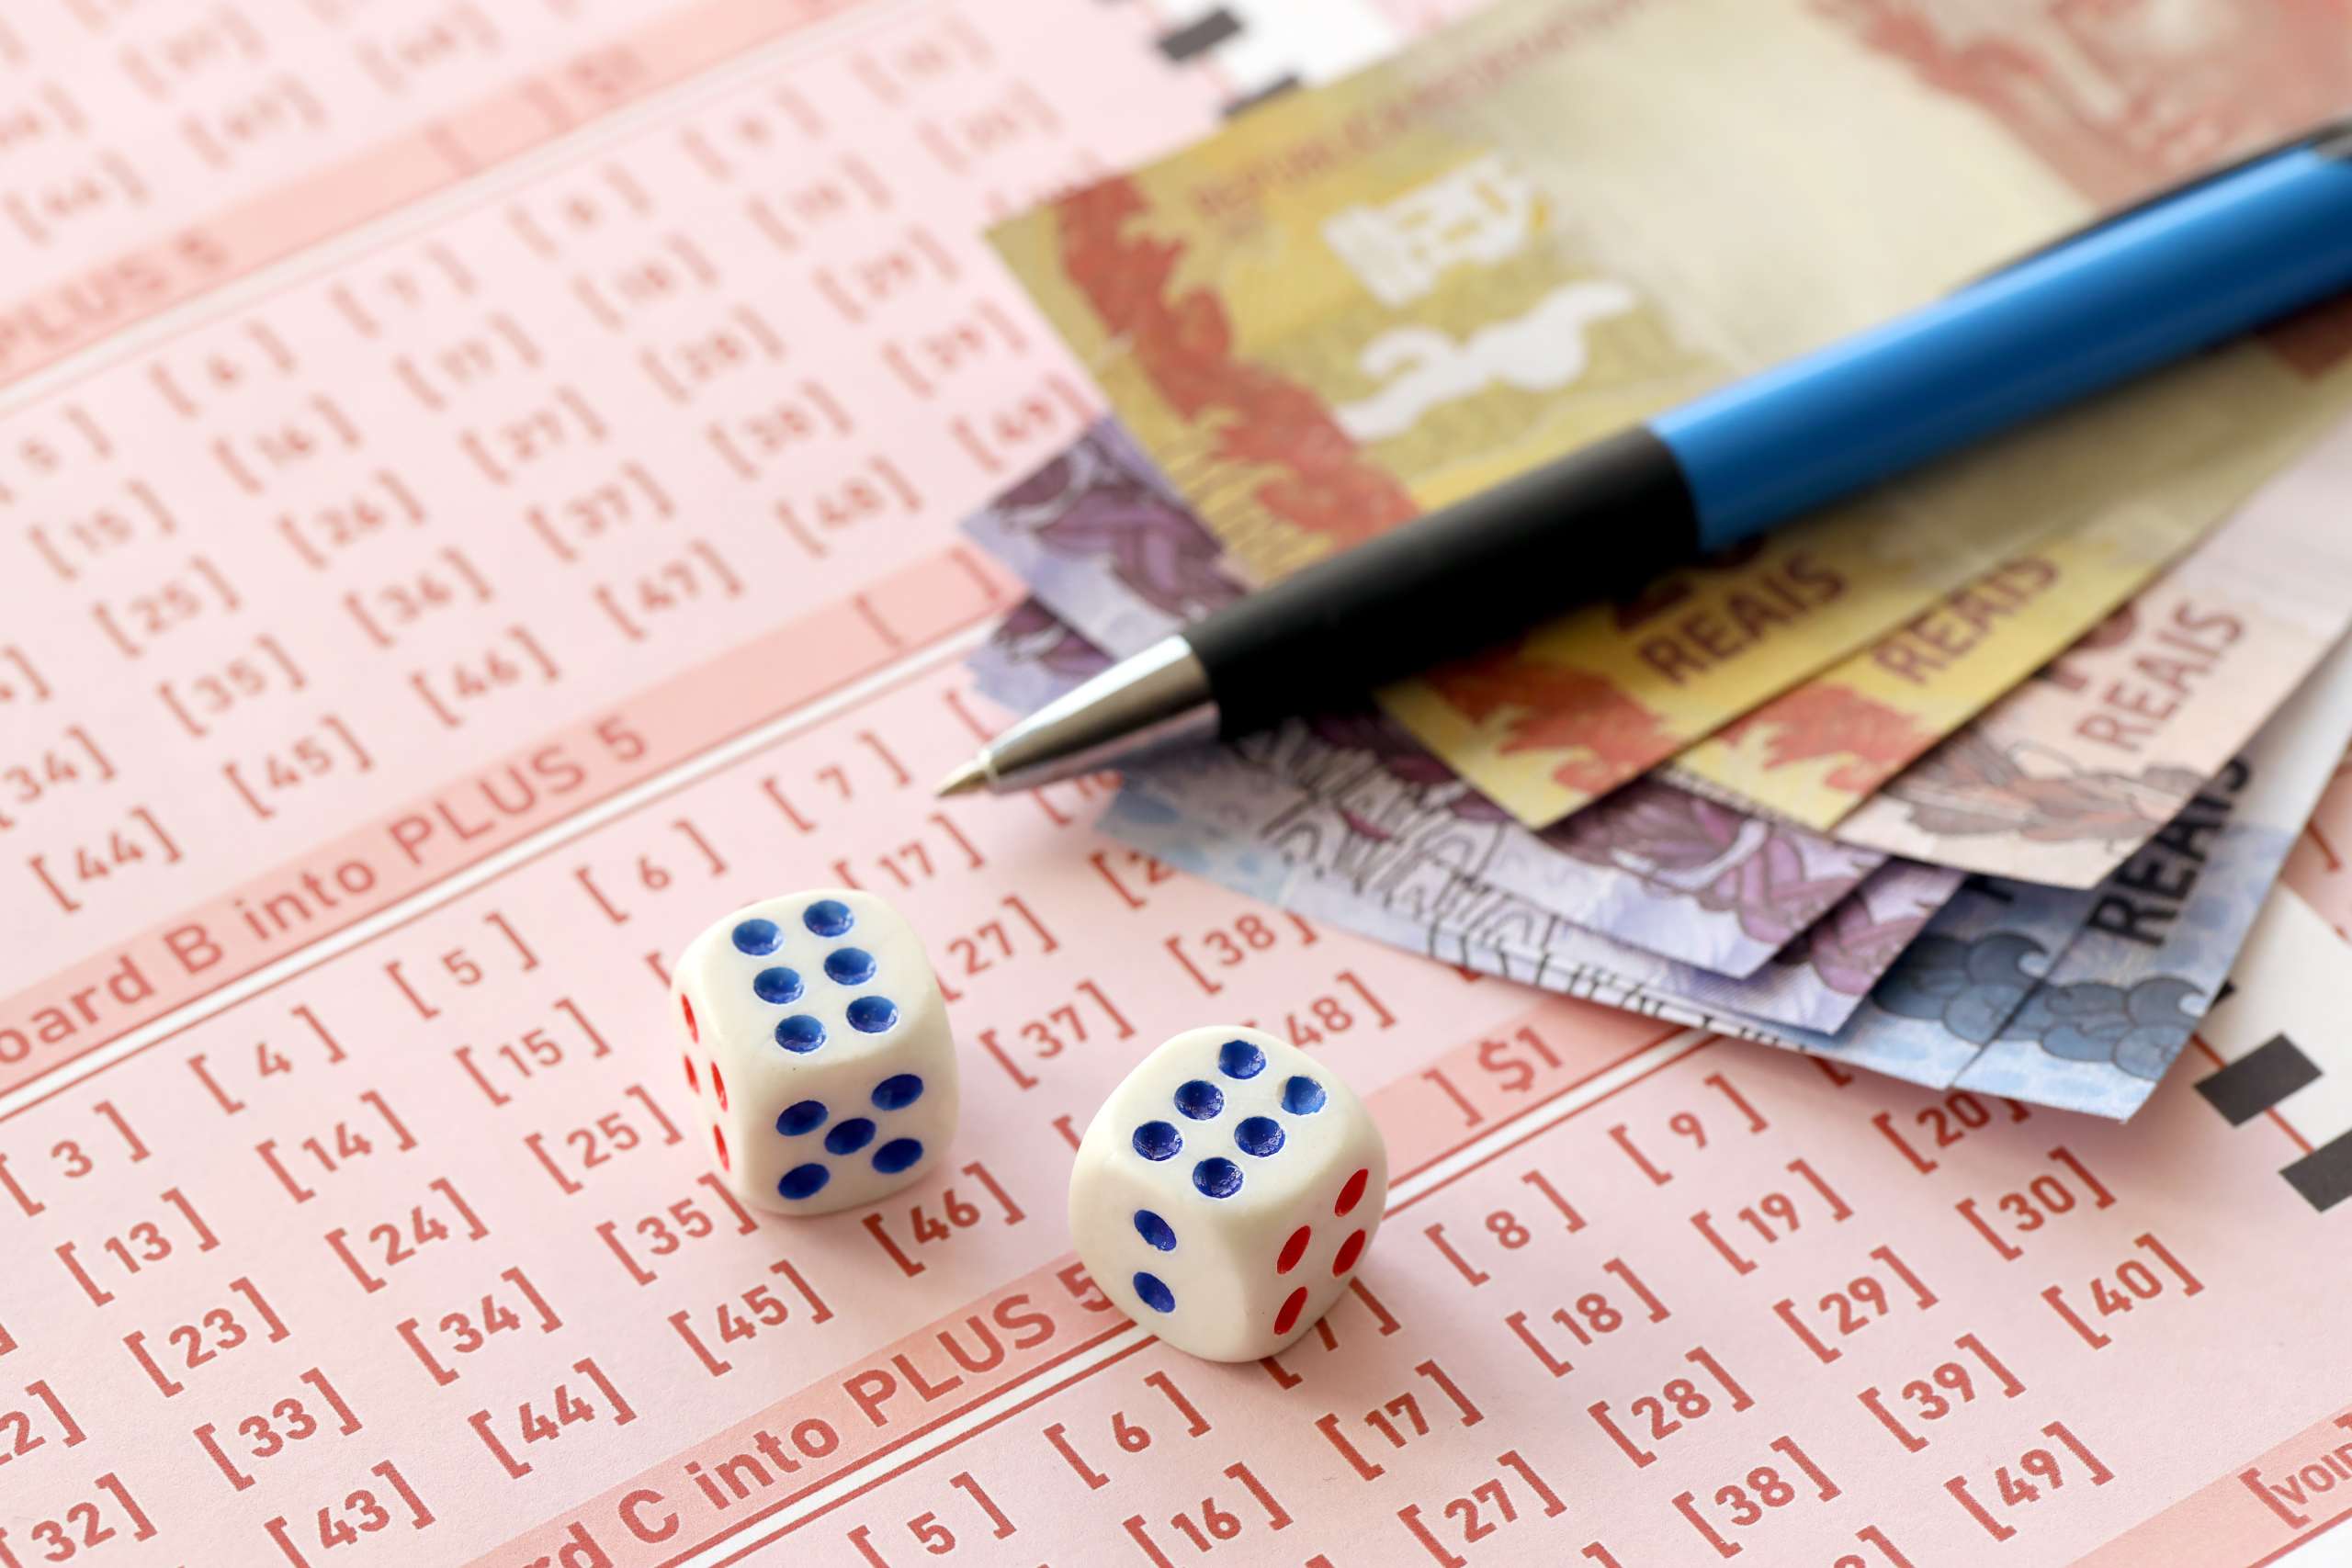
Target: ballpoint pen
2178	273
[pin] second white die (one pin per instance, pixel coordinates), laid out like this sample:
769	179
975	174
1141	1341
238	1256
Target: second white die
1225	1192
817	1050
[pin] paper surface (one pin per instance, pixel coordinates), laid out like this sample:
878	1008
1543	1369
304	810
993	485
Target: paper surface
1375	298
155	155
288	1262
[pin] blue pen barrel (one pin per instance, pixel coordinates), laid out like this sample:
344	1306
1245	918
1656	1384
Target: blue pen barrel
2216	261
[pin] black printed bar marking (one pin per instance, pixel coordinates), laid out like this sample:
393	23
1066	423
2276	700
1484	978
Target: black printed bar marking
1194	38
2259	1080
2324	1176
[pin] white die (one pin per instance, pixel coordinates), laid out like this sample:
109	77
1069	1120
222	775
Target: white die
817	1050
1225	1192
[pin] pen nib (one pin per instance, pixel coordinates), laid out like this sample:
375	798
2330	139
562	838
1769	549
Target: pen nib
966	778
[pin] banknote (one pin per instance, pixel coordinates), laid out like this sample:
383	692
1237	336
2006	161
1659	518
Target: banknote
2080	997
1957	986
1366	300
1654	867
1139	819
1032	657
1106	544
2102	1027
2065	778
1815	983
1822	748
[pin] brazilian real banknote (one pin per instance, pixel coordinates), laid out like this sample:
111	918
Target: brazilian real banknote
2009	980
2118	1007
1367	298
1111	550
2077	997
1478	927
1222	817
2066	777
2071	997
1343	795
2082	998
1814	979
1227	815
1032	657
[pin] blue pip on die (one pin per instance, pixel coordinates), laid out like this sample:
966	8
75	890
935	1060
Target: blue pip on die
817	1050
1227	1191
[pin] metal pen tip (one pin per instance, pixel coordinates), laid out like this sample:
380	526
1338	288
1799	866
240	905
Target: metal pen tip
965	778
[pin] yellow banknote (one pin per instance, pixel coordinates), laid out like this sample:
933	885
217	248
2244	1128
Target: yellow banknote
1369	299
1824	745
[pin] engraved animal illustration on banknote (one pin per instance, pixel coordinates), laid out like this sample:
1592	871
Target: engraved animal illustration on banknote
1032	657
1762	873
1101	500
1970	786
1983	992
1851	946
1772	880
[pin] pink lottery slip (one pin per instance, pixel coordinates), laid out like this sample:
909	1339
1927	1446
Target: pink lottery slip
479	486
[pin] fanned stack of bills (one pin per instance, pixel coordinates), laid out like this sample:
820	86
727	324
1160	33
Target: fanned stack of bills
1980	780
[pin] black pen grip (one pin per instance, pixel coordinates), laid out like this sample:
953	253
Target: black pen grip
1594	525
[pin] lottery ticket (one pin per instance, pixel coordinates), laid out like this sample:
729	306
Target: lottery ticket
153	157
2315	867
372	1232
